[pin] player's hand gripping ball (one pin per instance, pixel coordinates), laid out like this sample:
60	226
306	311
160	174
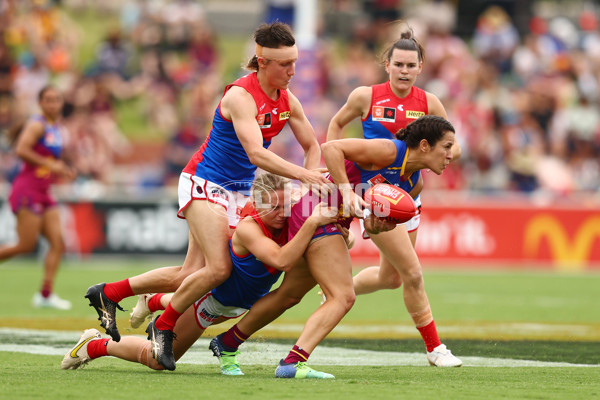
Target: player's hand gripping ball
390	202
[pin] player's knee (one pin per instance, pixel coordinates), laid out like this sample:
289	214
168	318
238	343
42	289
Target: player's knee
57	246
413	278
345	300
349	300
145	357
220	275
393	282
290	301
25	247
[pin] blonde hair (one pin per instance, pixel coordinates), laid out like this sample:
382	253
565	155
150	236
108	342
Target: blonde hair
267	183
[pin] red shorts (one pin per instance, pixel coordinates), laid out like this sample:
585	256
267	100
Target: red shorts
31	197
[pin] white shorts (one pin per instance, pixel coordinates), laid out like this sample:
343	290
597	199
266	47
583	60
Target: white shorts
208	310
411	225
192	187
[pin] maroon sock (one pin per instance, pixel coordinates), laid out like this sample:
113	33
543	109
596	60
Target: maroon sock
430	336
46	289
234	338
296	355
154	302
117	291
98	348
168	319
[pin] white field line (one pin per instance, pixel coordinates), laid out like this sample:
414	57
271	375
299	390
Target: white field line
257	353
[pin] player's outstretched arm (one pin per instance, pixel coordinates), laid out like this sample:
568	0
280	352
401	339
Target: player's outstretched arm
238	105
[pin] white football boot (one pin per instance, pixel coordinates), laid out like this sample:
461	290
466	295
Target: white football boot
442	357
141	312
52	301
78	355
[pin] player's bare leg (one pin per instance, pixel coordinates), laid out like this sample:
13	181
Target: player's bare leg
209	228
330	265
381	277
396	245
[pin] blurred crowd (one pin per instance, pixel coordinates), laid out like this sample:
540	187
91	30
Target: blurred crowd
524	104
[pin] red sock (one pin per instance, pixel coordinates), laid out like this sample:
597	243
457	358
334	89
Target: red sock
233	338
296	355
98	348
430	336
154	302
117	291
168	319
46	288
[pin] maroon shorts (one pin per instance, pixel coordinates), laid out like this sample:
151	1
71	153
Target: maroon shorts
35	199
303	209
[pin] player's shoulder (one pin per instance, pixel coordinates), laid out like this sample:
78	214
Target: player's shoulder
236	98
361	95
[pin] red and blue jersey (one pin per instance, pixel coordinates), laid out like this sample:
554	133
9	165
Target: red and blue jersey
50	145
221	158
389	113
250	278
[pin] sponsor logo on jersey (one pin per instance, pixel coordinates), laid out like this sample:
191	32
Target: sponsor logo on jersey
383	114
382	101
284	115
400	107
414	114
377	179
264	120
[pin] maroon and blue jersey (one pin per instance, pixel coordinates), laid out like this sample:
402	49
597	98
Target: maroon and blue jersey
393	174
221	158
250	278
50	145
389	113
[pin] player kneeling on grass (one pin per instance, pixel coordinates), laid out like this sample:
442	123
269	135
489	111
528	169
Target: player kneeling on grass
260	251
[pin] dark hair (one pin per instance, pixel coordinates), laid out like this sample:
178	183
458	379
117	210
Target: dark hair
408	42
45	89
272	36
428	127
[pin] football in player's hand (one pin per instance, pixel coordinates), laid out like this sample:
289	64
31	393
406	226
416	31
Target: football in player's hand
390	202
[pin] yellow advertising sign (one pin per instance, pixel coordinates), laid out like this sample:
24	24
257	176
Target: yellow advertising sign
568	254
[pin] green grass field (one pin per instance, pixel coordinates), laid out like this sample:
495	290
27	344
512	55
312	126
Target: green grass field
521	335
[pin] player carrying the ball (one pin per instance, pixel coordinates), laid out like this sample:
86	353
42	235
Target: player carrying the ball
384	109
353	163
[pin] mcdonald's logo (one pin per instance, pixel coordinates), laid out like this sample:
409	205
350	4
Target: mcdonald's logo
568	254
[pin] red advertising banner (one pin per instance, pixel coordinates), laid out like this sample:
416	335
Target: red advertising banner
560	238
473	234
